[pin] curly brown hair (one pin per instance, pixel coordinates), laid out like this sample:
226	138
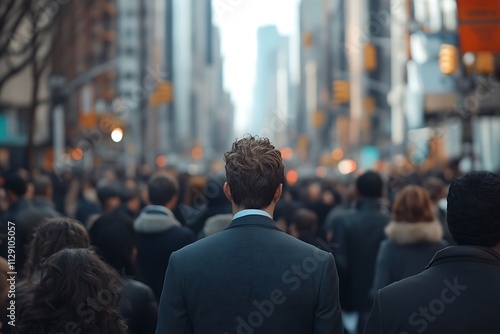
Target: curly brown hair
50	237
254	170
77	291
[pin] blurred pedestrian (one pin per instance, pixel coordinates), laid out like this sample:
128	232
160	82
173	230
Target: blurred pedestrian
117	248
158	232
62	183
131	201
437	191
109	196
88	203
215	203
23	215
320	202
121	216
77	291
358	234
414	236
215	224
43	193
109	199
70	234
286	207
49	237
304	226
251	275
458	292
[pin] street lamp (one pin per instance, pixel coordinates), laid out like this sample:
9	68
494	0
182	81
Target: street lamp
117	135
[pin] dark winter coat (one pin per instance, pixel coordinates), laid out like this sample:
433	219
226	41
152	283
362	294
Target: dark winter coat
158	234
407	251
458	293
357	237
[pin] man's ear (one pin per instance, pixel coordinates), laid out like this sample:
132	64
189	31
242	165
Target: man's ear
227	192
278	193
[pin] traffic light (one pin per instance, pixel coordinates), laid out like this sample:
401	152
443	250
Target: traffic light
341	91
370	55
485	62
318	118
448	59
164	93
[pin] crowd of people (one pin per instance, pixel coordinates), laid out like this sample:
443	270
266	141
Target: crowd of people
176	253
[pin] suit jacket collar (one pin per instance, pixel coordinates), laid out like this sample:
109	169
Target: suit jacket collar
465	254
255	221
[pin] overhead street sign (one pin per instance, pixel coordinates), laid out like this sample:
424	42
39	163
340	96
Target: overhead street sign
479	25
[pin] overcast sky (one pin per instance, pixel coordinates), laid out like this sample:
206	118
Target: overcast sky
238	26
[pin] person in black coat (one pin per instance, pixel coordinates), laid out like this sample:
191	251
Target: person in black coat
358	233
122	225
23	216
116	247
458	292
131	201
158	233
252	277
413	237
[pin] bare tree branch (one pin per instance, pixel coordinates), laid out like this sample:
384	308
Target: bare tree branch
16	69
41	28
28	46
12	30
6	12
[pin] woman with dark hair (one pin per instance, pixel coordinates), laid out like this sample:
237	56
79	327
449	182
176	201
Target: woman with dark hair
77	292
50	237
413	237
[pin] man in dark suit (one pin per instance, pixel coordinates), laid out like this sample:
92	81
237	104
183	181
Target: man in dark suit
459	290
251	277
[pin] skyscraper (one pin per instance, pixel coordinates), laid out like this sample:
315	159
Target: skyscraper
272	52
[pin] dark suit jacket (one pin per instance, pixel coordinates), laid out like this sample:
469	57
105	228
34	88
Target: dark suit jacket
250	278
458	293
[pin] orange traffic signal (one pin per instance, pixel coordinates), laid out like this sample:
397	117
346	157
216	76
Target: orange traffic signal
448	59
341	91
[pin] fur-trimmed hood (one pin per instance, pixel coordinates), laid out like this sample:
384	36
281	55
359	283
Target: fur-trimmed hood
152	220
405	233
